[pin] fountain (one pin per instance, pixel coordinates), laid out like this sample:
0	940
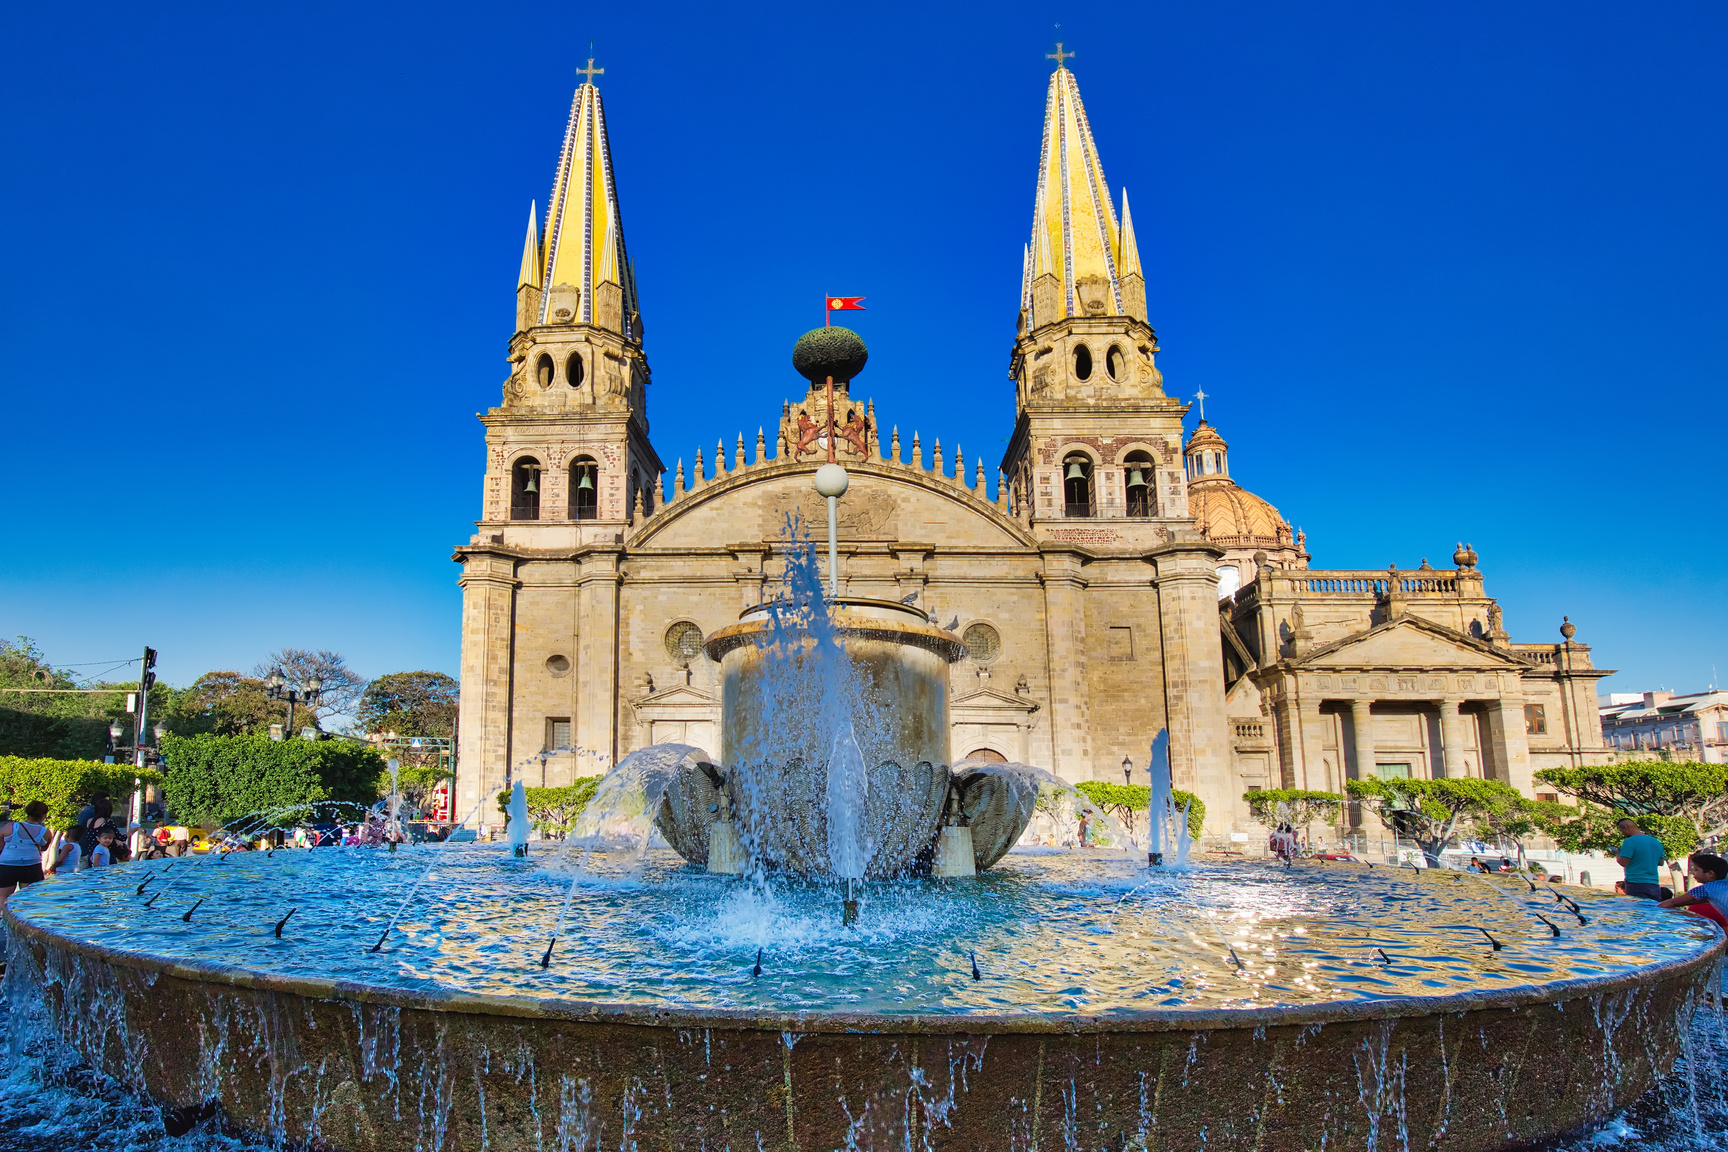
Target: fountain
819	936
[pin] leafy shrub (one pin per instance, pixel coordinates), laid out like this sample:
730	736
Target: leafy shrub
67	785
217	779
1129	801
1301	806
554	810
1679	803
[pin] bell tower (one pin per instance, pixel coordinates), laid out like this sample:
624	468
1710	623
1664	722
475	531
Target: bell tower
1095	436
569	443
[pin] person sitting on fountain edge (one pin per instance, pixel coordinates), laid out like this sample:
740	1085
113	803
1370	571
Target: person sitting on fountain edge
1641	854
1709	897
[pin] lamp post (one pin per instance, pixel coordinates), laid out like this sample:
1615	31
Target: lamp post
275	687
1127	770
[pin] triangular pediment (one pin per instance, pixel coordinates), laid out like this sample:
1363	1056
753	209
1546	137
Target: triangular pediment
1409	642
990	698
678	694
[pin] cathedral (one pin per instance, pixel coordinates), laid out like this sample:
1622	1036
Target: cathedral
1118	582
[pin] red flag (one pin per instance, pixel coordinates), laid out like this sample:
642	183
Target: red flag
845	304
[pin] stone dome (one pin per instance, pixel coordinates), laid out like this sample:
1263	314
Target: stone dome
824	352
1226	513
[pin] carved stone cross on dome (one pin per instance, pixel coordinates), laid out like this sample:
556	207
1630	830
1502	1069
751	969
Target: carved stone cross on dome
590	72
1057	55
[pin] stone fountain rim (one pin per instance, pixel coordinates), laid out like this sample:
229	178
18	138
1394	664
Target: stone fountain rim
846	624
1049	1023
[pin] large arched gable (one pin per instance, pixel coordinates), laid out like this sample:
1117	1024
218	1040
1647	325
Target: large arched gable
883	503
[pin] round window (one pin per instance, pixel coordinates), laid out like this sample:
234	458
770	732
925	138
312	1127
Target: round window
683	641
558	665
983	643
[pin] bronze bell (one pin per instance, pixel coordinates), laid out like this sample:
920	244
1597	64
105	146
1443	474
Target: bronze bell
586	484
1136	478
1076	471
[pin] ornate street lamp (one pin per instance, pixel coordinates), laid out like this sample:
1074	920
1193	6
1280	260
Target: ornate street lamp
275	687
1127	770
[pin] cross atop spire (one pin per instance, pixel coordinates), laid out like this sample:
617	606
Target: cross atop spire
1200	399
590	72
1057	55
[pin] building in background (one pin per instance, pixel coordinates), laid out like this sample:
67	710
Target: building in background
1117	582
1667	725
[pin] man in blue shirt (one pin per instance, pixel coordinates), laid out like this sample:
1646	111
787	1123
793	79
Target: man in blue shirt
1641	854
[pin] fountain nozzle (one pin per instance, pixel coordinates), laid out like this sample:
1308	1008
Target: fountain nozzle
849	905
1154	859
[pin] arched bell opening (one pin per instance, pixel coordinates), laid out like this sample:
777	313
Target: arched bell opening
574	371
543	370
1115	363
1082	362
1138	474
525	489
1077	497
584	488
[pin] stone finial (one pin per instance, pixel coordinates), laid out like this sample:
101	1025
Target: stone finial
1425	566
1001	491
678	483
719	458
917	452
738	462
871	435
646	683
959	466
1567	629
1465	556
637	509
1021	687
697	476
981	487
780	445
937	464
896	444
1259	561
761	446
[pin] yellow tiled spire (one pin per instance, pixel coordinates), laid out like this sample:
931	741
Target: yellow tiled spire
1074	232
533	271
1128	249
584	235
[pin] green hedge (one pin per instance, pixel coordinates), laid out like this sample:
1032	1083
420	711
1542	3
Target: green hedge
215	780
554	810
68	785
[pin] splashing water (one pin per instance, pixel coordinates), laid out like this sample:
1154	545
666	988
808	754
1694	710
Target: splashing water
848	792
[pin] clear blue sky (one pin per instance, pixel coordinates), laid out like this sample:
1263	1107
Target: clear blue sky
1446	271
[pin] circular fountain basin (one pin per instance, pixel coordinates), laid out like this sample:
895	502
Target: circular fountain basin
1237	1006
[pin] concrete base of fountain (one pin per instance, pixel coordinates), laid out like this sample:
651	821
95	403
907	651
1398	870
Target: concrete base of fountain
368	1069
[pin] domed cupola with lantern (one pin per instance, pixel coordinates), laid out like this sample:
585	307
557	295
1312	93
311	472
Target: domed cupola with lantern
1233	518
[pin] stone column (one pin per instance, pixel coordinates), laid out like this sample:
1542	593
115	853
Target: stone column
1311	724
597	703
1362	725
489	584
1451	738
1065	647
1193	658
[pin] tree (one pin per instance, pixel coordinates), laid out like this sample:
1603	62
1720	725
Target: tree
224	704
554	810
1127	802
339	688
1297	806
410	704
1431	812
1680	803
68	722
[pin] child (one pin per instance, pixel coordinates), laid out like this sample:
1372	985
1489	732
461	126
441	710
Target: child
22	843
1710	894
103	854
67	855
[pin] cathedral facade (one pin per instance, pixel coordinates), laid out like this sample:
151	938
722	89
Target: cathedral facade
1118	581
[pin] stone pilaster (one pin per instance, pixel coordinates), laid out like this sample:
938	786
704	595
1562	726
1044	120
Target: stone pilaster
489	584
1511	747
597	699
1194	672
1065	647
